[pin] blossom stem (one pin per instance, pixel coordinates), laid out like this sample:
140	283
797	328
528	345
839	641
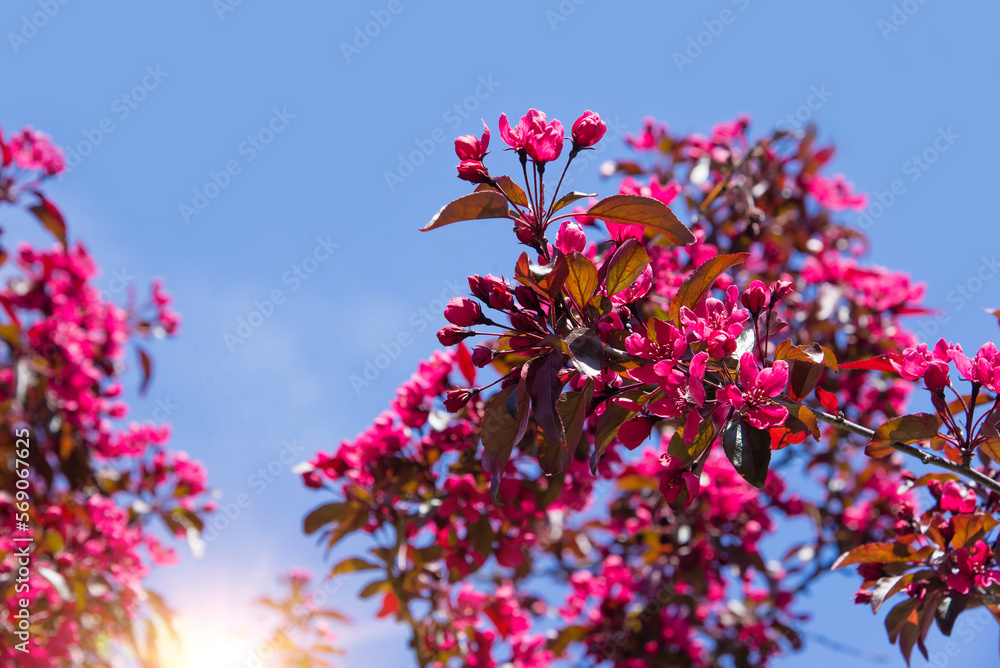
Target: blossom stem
559	185
924	456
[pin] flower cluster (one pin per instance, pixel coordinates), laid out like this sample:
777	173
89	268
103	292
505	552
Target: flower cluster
96	484
707	350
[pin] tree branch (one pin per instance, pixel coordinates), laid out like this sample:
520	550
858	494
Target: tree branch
924	456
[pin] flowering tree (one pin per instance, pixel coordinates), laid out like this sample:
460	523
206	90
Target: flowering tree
640	390
81	493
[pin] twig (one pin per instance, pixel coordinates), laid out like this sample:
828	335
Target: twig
924	456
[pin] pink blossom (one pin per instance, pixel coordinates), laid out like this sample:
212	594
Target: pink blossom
678	485
957	498
970	564
685	396
716	324
984	368
546	142
836	193
468	147
759	386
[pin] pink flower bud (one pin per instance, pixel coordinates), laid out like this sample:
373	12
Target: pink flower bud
588	130
756	297
473	171
457	399
468	147
463	312
780	290
570	238
451	334
481	356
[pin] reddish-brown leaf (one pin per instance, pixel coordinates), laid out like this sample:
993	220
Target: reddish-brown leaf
645	211
701	280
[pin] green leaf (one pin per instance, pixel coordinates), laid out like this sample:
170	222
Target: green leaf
581	281
625	266
645	211
701	280
331	512
907	429
514	191
749	450
475	206
352	565
569	198
882	553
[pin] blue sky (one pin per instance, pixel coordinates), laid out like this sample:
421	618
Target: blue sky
239	148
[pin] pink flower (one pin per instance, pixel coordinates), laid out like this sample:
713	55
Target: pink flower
678	485
34	150
917	362
467	147
835	193
685	396
759	386
514	137
971	566
665	351
546	142
957	499
588	130
983	369
715	323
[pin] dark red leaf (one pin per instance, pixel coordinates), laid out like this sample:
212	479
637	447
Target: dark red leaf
645	211
474	206
701	280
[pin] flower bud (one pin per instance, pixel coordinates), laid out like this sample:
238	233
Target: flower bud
756	297
451	334
570	238
527	298
457	399
463	312
468	147
473	171
481	356
588	130
780	290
